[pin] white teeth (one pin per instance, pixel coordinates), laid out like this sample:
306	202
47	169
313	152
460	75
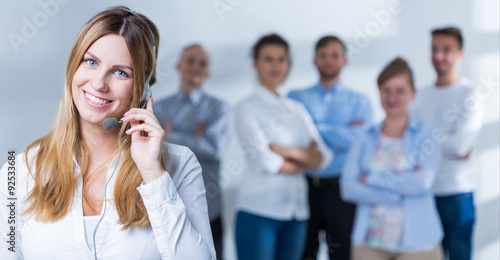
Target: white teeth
95	100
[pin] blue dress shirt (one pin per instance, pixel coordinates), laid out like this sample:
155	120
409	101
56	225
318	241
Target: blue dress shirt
333	111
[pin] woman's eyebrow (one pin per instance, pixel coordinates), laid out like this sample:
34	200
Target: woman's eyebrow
123	67
115	66
93	56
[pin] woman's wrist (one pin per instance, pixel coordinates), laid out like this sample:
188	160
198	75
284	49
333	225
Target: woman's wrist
151	175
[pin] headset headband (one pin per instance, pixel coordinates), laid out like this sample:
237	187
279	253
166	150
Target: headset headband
146	94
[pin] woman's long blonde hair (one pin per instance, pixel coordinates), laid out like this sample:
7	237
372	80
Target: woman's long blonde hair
54	180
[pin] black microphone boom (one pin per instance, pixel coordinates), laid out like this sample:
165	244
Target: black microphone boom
110	123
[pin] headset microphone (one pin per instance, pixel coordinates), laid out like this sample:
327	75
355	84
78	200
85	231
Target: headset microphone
110	123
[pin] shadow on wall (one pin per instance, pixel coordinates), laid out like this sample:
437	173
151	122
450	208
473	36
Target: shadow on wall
489	225
488	212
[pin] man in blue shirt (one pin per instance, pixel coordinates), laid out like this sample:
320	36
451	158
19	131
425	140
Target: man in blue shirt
202	123
339	114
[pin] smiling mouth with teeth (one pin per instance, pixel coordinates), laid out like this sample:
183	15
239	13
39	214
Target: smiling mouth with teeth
96	100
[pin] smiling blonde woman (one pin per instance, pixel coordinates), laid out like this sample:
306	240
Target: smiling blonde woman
154	206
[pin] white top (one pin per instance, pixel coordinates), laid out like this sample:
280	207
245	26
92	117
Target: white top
386	223
263	119
90	223
456	111
176	206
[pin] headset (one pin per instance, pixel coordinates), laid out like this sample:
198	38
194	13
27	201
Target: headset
111	123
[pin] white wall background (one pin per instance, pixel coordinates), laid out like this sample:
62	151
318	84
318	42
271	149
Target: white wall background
36	37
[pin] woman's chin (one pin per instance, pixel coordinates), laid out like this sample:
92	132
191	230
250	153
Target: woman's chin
395	113
91	120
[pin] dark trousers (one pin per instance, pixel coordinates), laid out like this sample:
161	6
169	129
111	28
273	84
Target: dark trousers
216	226
457	216
261	238
331	214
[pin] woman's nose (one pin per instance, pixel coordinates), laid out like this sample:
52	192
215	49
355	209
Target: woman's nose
100	82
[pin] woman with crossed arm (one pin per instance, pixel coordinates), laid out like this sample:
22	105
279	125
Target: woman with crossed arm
389	172
280	141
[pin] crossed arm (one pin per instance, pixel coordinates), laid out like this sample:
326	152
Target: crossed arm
297	159
388	187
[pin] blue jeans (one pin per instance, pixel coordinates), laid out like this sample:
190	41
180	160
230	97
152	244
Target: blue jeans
457	216
269	239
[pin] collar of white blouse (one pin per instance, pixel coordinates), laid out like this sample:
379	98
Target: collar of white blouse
268	96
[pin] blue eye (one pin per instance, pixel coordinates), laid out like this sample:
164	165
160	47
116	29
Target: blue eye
121	73
90	62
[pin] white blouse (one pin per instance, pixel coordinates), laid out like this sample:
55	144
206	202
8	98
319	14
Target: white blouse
261	120
90	223
175	203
